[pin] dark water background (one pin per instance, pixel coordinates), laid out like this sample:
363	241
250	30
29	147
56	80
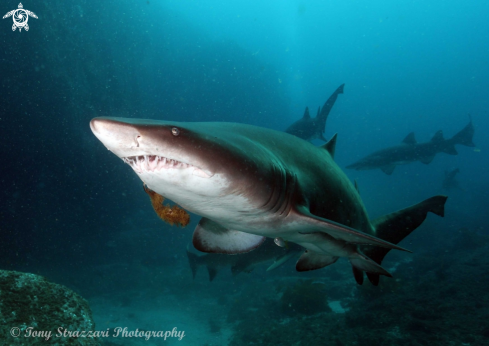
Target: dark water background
408	66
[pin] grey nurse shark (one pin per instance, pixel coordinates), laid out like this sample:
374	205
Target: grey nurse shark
244	262
313	128
410	151
249	183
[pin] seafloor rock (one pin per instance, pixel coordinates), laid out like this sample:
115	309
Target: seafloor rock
31	305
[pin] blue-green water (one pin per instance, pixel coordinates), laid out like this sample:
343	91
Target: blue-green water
73	212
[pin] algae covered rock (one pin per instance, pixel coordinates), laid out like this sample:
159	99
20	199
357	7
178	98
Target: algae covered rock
34	311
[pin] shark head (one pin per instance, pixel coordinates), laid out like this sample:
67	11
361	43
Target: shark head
200	166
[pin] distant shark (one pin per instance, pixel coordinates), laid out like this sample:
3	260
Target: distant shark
249	183
245	262
312	128
450	182
411	151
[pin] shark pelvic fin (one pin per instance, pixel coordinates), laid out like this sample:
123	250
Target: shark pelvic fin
330	146
209	236
315	224
410	139
311	261
388	169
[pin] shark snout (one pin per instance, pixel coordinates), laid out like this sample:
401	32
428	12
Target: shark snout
117	136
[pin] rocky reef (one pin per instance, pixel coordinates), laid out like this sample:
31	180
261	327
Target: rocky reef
31	307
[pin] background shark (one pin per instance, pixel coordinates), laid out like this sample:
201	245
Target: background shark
311	128
249	183
411	151
245	262
450	181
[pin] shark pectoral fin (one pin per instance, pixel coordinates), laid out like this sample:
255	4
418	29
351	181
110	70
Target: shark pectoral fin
314	224
388	169
209	236
426	159
281	260
312	260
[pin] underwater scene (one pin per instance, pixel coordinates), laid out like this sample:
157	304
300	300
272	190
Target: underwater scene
205	172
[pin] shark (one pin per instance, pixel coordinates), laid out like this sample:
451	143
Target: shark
450	181
410	151
250	183
313	128
246	262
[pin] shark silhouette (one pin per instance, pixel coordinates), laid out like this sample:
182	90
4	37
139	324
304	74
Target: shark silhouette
410	151
249	183
245	262
312	128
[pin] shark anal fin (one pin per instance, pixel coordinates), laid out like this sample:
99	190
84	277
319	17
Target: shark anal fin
362	262
426	159
311	261
388	169
373	278
209	236
410	139
314	224
450	150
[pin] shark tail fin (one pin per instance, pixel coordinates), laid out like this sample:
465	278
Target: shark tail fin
193	261
396	226
464	137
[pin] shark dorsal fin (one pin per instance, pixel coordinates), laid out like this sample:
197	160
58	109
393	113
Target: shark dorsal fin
306	114
410	139
330	145
438	137
319	111
356	186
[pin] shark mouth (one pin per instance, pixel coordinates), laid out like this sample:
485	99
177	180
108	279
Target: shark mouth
153	163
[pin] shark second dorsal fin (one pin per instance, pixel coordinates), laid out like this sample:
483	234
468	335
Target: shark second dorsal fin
306	114
319	111
438	137
330	145
356	186
410	139
211	237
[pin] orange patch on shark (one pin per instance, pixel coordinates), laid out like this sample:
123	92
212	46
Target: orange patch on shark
170	214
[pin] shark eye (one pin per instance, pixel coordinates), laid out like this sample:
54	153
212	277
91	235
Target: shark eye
175	131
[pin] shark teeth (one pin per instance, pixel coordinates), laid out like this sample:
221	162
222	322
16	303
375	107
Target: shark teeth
153	163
